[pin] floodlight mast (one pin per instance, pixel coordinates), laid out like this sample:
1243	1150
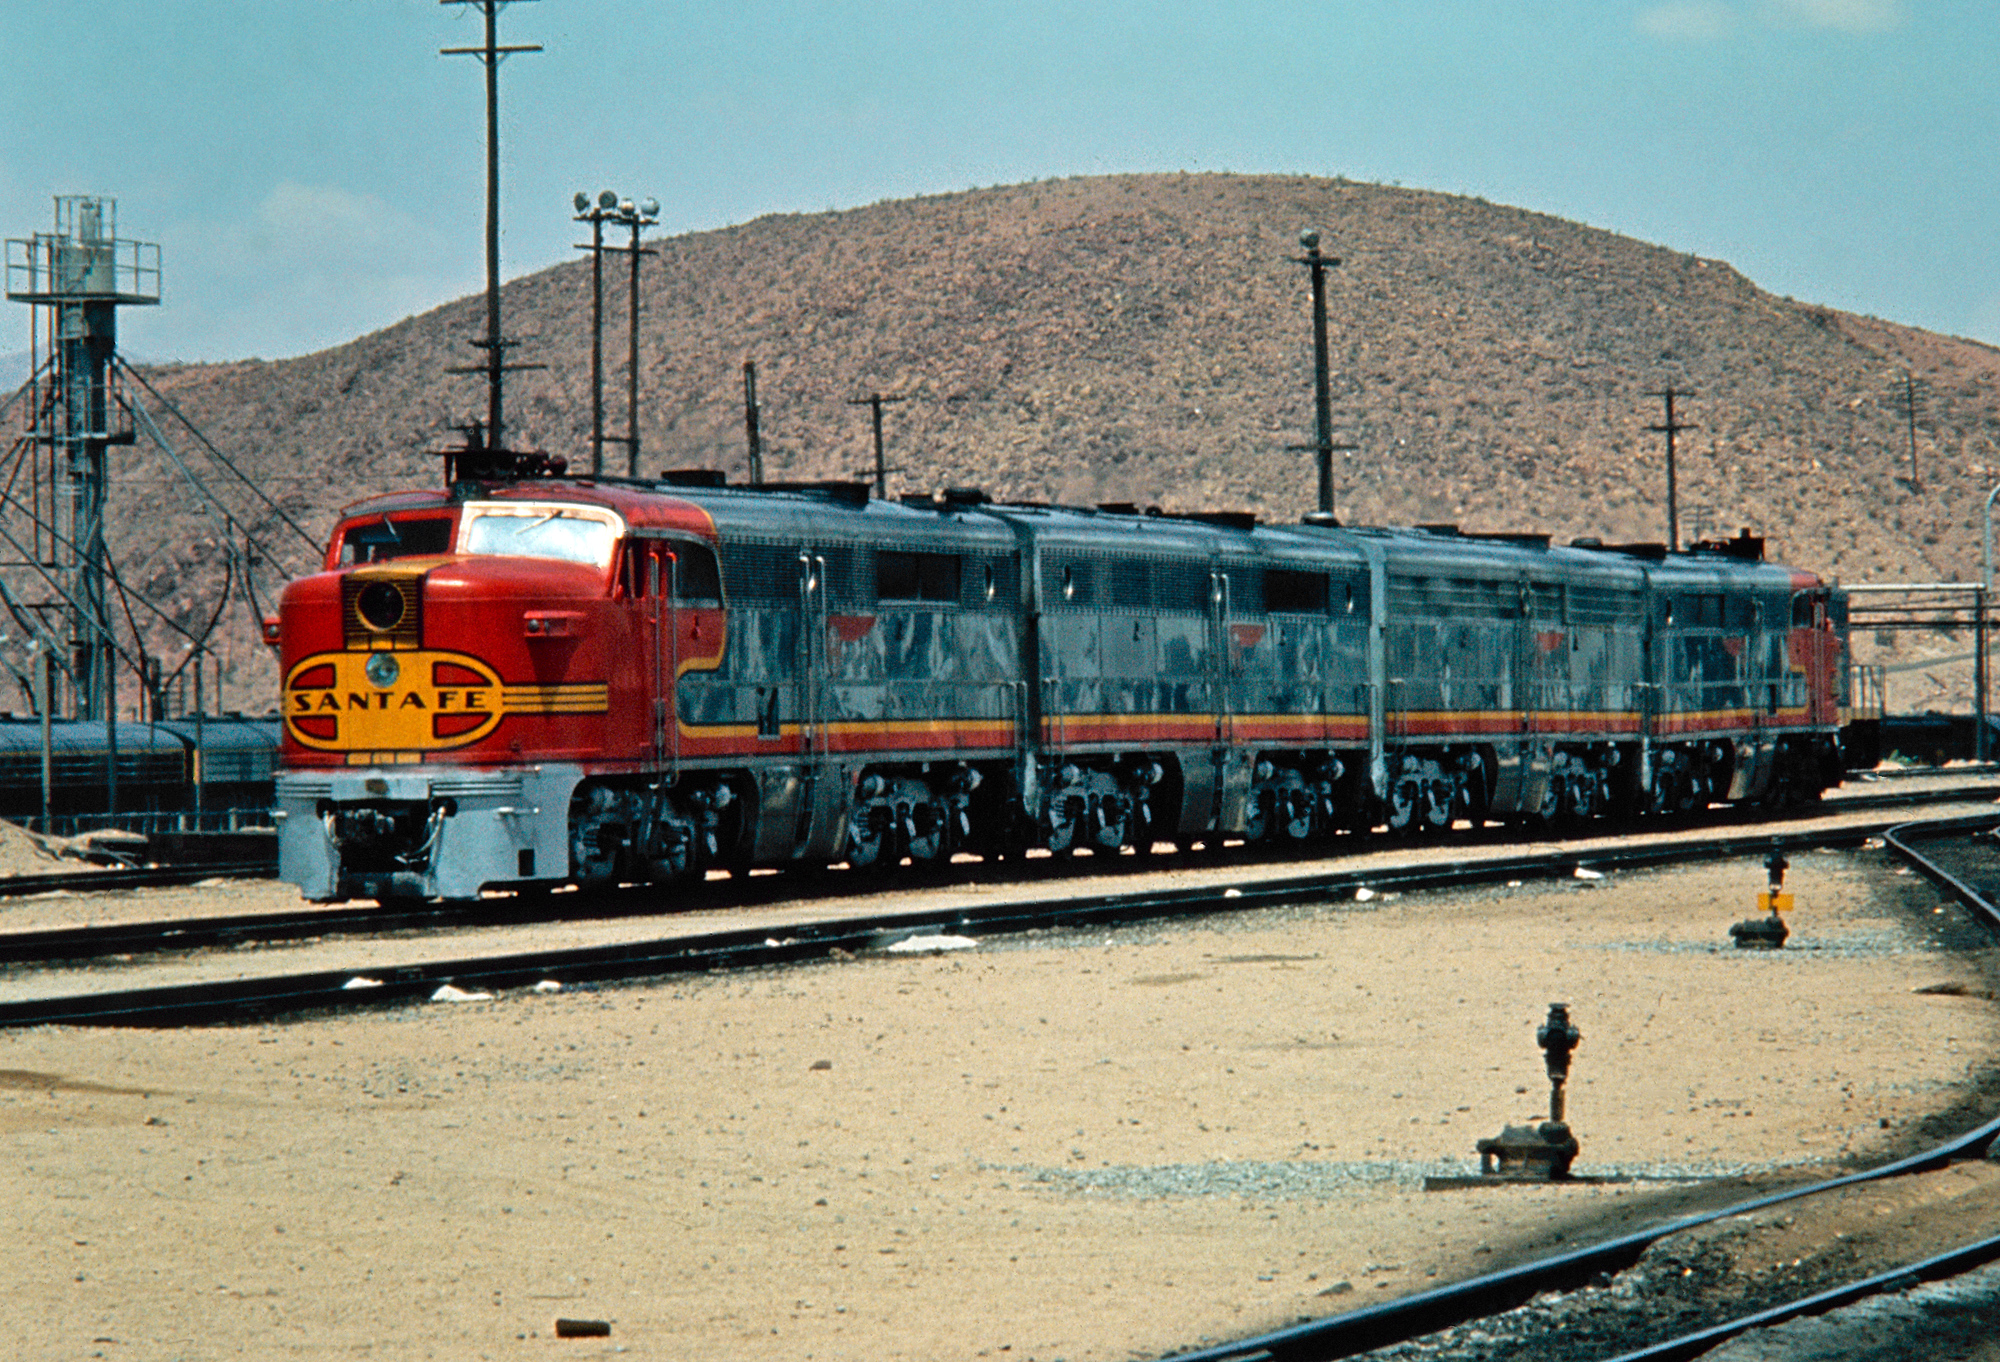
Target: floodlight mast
610	207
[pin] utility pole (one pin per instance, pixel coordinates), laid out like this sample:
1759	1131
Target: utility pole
877	401
1322	383
753	423
1672	428
491	54
1908	399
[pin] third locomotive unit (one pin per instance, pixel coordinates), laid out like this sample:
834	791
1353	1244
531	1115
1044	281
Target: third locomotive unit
524	681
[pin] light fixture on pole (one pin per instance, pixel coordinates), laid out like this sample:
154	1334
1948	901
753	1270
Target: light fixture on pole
1982	668
621	212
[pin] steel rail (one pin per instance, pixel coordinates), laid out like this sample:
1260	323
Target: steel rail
1428	1312
53	944
186	934
1970	768
1953	1263
132	877
83	943
753	947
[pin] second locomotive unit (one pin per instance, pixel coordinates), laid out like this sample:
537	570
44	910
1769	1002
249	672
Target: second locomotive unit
527	681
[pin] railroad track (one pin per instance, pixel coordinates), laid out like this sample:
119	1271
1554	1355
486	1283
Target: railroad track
164	876
228	931
133	877
1429	1312
242	1000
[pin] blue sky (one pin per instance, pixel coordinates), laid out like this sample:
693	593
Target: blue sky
312	169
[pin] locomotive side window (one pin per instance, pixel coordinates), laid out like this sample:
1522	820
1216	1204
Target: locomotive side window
690	567
633	568
375	541
1288	591
695	575
916	576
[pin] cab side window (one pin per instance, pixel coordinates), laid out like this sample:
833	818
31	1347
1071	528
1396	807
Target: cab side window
635	574
695	576
650	564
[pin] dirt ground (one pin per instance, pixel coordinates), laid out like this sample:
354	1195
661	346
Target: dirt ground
1080	1146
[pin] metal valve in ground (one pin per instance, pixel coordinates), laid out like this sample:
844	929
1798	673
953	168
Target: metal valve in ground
1769	931
1542	1152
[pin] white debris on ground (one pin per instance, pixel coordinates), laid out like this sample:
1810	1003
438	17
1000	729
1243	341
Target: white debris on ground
925	945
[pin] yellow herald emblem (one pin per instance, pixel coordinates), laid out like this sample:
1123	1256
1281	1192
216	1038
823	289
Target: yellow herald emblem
413	701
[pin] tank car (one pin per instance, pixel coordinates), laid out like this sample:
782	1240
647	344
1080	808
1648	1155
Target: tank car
525	681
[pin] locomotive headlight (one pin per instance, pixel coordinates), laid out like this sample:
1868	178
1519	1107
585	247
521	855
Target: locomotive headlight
380	606
382	669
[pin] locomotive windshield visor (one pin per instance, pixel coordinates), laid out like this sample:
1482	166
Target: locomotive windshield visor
572	534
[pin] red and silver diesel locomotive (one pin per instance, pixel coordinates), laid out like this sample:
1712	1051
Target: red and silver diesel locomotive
526	681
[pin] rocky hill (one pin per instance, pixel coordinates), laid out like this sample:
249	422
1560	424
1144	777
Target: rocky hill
1147	339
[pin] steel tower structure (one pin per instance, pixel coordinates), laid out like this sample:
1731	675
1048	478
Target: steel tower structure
79	274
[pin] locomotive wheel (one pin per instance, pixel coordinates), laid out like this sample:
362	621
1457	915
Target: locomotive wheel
864	837
1439	796
1550	808
924	833
1061	834
1257	816
1404	797
1660	798
1298	813
1109	819
597	835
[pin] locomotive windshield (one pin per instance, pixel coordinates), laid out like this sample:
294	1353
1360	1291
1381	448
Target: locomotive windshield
372	541
573	534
